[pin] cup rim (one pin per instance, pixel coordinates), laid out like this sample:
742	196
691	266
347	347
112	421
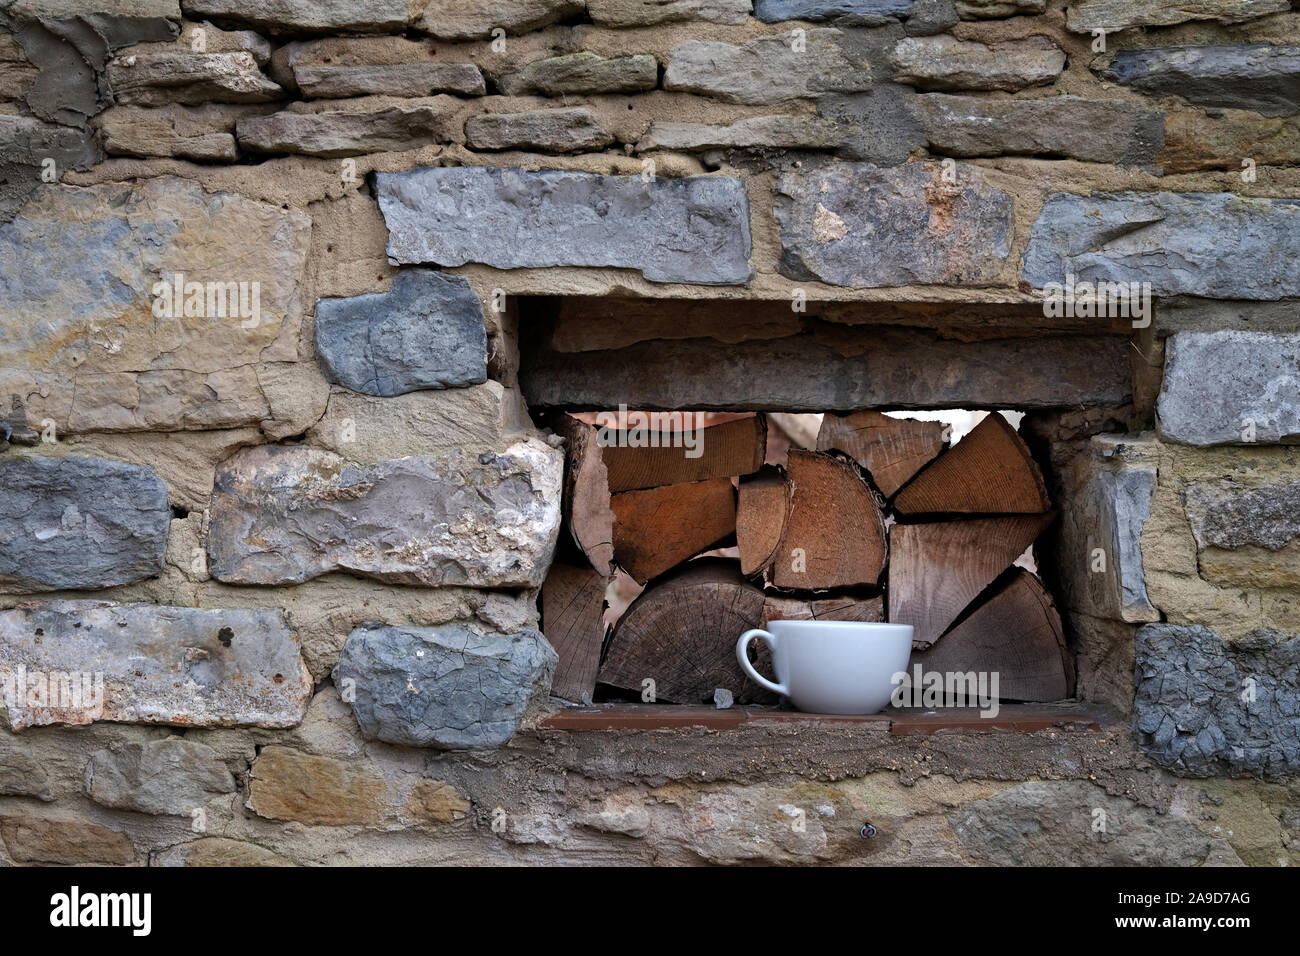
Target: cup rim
839	625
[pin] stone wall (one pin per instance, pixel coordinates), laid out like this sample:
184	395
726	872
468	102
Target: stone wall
281	280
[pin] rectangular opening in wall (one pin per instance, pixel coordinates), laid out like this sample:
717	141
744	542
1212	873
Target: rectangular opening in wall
768	471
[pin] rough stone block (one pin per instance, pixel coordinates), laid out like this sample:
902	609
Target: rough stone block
447	687
644	13
1196	140
26	141
329	81
148	664
169	776
427	332
286	784
99	359
1084	16
1247	537
995	9
311	16
863	226
203	133
1230	387
673	230
216	851
369	429
1205	706
156	79
849	12
336	133
572	130
476	19
1099	131
946	63
1216	245
767	69
67	840
284	514
584	72
1259	77
797	131
79	523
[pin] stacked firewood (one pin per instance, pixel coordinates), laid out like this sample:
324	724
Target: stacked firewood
883	521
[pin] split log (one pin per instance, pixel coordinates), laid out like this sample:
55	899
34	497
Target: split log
573	621
681	633
761	515
835	535
658	528
586	494
892	450
990	471
778	608
723	450
938	569
1015	633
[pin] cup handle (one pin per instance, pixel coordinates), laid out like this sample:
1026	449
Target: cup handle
742	646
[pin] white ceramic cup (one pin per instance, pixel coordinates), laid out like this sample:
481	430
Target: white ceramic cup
832	667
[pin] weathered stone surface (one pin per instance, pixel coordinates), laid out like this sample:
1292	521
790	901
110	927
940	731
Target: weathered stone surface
863	226
1257	401
17	73
215	40
284	514
1246	537
65	9
1205	706
644	13
30	838
1084	16
79	523
370	429
447	687
798	131
848	12
22	774
217	851
994	9
476	19
286	784
156	79
766	69
584	72
1195	140
880	126
549	130
1038	823
185	667
946	63
169	776
1259	77
1175	241
350	16
1125	500
1105	131
427	332
845	371
28	142
673	230
203	133
392	79
82	345
335	133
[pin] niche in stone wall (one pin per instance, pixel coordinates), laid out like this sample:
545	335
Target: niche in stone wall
733	464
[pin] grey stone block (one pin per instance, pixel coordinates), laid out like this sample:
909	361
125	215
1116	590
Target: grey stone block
1084	16
285	514
1126	497
863	226
550	131
170	776
1230	387
82	523
768	69
850	12
1227	515
1257	76
427	332
673	230
447	687
1216	245
1205	706
150	664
